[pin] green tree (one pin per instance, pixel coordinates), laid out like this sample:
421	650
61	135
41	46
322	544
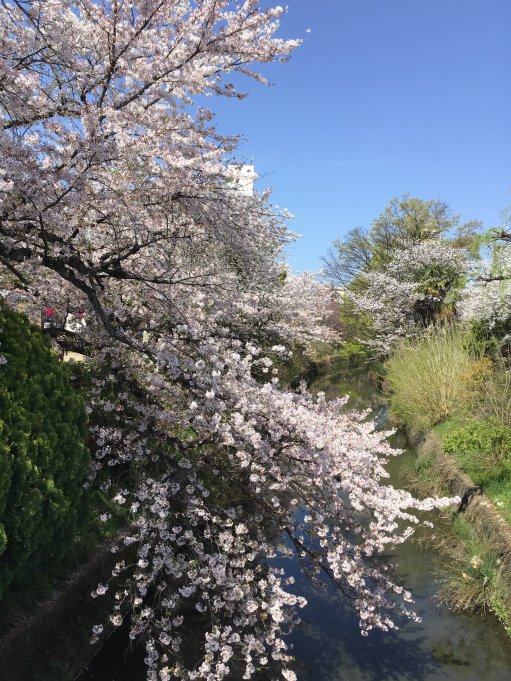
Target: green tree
405	221
43	454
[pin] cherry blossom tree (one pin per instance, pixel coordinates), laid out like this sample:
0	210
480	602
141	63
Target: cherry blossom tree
488	298
410	292
386	293
116	200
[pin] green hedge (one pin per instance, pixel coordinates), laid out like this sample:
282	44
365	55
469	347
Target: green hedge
43	454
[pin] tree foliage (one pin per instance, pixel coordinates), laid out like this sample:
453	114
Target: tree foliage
417	288
404	222
43	456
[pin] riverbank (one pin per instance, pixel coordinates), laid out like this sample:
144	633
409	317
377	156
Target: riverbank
444	646
477	543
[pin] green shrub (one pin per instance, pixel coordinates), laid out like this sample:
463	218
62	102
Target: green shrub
354	352
482	449
493	337
434	377
43	456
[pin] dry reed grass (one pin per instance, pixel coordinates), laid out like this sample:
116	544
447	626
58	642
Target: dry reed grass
435	377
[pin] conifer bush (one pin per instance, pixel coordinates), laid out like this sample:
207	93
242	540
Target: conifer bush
43	453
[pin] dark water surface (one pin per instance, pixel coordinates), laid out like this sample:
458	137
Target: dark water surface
328	646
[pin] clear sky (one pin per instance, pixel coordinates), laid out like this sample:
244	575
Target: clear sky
385	97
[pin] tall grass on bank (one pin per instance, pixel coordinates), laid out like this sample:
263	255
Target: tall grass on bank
493	401
434	377
473	573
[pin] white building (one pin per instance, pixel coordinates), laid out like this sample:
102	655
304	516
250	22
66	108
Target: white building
243	177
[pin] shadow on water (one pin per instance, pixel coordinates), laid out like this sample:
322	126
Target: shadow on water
328	646
379	657
443	647
121	662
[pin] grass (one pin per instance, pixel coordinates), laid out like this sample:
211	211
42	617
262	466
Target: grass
449	426
482	449
493	401
442	387
424	478
472	573
499	492
441	383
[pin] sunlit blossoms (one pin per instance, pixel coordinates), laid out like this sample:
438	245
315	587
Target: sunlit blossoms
411	291
116	201
488	298
488	301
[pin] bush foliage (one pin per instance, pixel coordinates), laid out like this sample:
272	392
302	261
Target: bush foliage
43	454
482	449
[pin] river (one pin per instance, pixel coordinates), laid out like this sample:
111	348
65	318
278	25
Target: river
444	646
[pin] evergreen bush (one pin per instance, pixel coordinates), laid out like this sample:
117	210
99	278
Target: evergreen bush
43	453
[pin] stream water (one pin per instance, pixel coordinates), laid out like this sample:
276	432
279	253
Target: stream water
444	646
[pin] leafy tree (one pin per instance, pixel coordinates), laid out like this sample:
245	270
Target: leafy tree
407	221
418	287
43	456
348	257
403	273
404	222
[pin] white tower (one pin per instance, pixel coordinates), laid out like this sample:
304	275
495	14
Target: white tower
243	177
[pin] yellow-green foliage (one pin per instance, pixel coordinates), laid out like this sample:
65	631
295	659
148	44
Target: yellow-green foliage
493	400
43	456
434	377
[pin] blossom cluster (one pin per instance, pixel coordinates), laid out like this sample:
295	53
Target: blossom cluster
488	298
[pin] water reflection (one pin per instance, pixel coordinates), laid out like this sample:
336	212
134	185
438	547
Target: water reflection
443	647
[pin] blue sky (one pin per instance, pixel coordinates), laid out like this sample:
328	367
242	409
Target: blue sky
385	97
